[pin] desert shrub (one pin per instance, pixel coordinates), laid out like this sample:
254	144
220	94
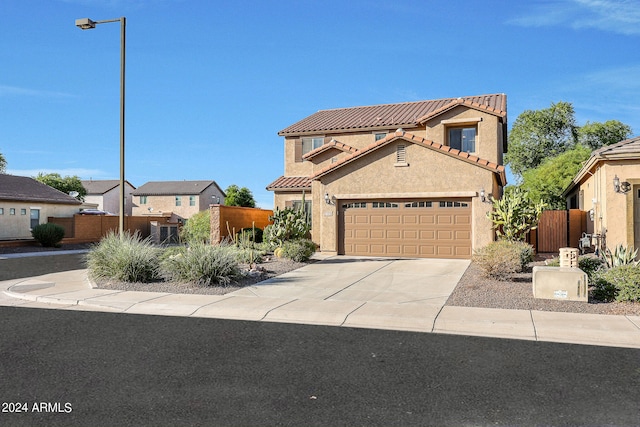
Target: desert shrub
621	283
49	234
249	255
501	259
197	229
590	265
126	258
621	255
201	264
299	250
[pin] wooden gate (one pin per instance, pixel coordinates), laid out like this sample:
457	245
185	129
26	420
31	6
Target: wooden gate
558	229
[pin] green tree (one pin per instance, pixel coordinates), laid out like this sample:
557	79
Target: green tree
549	180
197	229
538	134
515	214
66	184
236	196
595	135
3	164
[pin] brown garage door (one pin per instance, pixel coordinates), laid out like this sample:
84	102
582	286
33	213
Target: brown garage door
409	228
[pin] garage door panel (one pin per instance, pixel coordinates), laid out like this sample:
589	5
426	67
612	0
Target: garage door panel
427	219
426	228
462	219
394	234
361	219
377	234
410	219
393	219
410	234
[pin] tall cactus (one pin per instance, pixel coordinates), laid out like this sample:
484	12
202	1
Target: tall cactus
515	214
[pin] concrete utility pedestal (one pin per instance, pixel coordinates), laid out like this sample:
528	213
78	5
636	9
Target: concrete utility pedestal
560	283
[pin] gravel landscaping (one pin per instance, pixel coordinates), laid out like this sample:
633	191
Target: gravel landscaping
473	290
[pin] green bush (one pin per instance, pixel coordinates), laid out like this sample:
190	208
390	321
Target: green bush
49	234
590	265
621	283
201	264
126	258
298	250
501	259
197	229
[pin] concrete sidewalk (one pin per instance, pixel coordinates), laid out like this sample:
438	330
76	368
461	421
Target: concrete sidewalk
380	293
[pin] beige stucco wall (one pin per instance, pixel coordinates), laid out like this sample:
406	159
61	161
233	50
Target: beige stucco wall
430	174
613	212
18	226
110	201
488	138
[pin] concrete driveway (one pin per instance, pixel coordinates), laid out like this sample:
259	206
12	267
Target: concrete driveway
362	292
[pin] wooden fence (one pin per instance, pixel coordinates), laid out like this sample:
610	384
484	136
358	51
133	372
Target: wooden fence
558	229
91	228
225	220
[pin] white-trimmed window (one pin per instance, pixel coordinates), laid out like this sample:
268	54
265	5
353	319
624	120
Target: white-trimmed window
380	135
143	200
192	200
178	200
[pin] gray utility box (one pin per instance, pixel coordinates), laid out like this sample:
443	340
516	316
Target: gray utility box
560	283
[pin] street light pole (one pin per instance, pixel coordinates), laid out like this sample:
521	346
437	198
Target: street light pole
87	24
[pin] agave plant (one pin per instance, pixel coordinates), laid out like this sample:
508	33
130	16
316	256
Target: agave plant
621	255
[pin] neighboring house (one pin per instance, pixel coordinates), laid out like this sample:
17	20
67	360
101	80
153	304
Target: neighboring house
25	203
176	198
608	189
105	194
410	179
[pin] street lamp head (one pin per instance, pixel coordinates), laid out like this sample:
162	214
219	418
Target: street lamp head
85	24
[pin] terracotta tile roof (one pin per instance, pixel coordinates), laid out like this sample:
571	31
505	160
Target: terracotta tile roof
406	114
494	167
290	183
25	189
331	144
171	188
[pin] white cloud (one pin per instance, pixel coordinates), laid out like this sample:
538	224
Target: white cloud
20	91
618	16
81	173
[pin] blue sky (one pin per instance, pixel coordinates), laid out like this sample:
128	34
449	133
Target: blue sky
210	83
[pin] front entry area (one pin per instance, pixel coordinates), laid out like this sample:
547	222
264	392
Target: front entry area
423	228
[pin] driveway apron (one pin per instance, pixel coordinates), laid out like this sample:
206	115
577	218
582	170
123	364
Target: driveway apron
362	292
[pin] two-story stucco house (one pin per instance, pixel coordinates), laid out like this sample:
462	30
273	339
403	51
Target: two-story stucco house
181	199
105	194
410	179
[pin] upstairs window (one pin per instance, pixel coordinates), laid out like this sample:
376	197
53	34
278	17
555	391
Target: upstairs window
178	200
463	139
192	200
309	144
143	200
379	136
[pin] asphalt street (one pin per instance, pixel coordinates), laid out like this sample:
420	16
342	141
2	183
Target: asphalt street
16	268
103	369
